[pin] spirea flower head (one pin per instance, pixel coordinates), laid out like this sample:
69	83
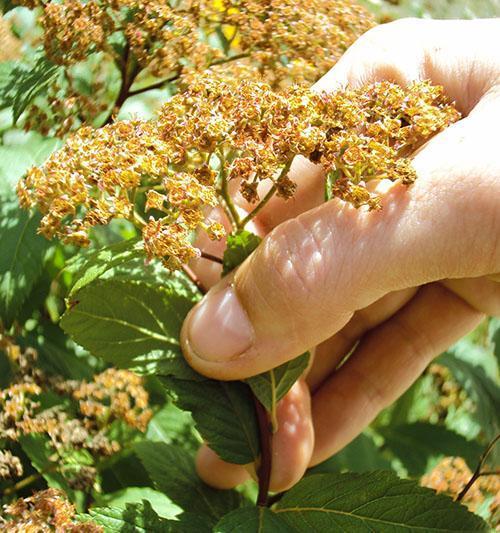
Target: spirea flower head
44	511
228	130
289	41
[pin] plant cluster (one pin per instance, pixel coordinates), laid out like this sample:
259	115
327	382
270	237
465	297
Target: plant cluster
45	511
217	132
80	421
170	42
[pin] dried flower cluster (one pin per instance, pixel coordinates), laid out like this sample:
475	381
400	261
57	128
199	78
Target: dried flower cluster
10	465
111	395
451	395
63	109
451	475
45	511
286	40
219	131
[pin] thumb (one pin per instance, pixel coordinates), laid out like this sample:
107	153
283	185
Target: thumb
312	272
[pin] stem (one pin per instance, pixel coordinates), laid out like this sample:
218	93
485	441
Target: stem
266	198
264	471
176	75
28	480
477	472
127	79
224	192
194	278
211	257
260	205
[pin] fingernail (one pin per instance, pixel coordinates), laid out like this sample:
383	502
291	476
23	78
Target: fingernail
219	329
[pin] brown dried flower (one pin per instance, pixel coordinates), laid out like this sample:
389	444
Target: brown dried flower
451	475
10	465
221	130
45	511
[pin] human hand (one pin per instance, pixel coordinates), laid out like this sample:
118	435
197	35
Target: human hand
398	285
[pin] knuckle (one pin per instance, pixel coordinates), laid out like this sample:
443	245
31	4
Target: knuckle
298	259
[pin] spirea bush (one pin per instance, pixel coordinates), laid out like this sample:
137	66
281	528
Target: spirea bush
100	415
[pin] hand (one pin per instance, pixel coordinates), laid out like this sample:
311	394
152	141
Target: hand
398	285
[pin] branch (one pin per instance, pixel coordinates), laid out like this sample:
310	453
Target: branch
194	279
477	472
266	198
176	75
211	257
127	79
264	471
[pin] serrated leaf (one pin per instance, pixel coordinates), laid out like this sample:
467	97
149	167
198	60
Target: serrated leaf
25	83
360	455
160	503
132	325
21	260
270	387
224	415
421	444
239	246
173	426
101	261
252	520
135	518
376	502
173	473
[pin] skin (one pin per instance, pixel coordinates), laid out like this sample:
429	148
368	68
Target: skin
399	285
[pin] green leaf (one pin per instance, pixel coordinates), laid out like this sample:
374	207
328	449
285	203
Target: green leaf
21	260
480	388
376	501
23	151
103	260
360	455
173	473
224	415
494	334
56	353
253	520
25	83
420	445
239	246
132	325
271	386
173	426
160	503
137	517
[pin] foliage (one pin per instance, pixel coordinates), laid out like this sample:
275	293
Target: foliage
139	117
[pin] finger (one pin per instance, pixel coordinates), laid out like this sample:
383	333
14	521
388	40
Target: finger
218	473
311	273
293	442
292	447
437	50
330	353
480	293
386	362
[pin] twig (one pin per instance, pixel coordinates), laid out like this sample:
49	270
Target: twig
194	278
211	257
266	198
264	471
176	75
127	79
477	472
